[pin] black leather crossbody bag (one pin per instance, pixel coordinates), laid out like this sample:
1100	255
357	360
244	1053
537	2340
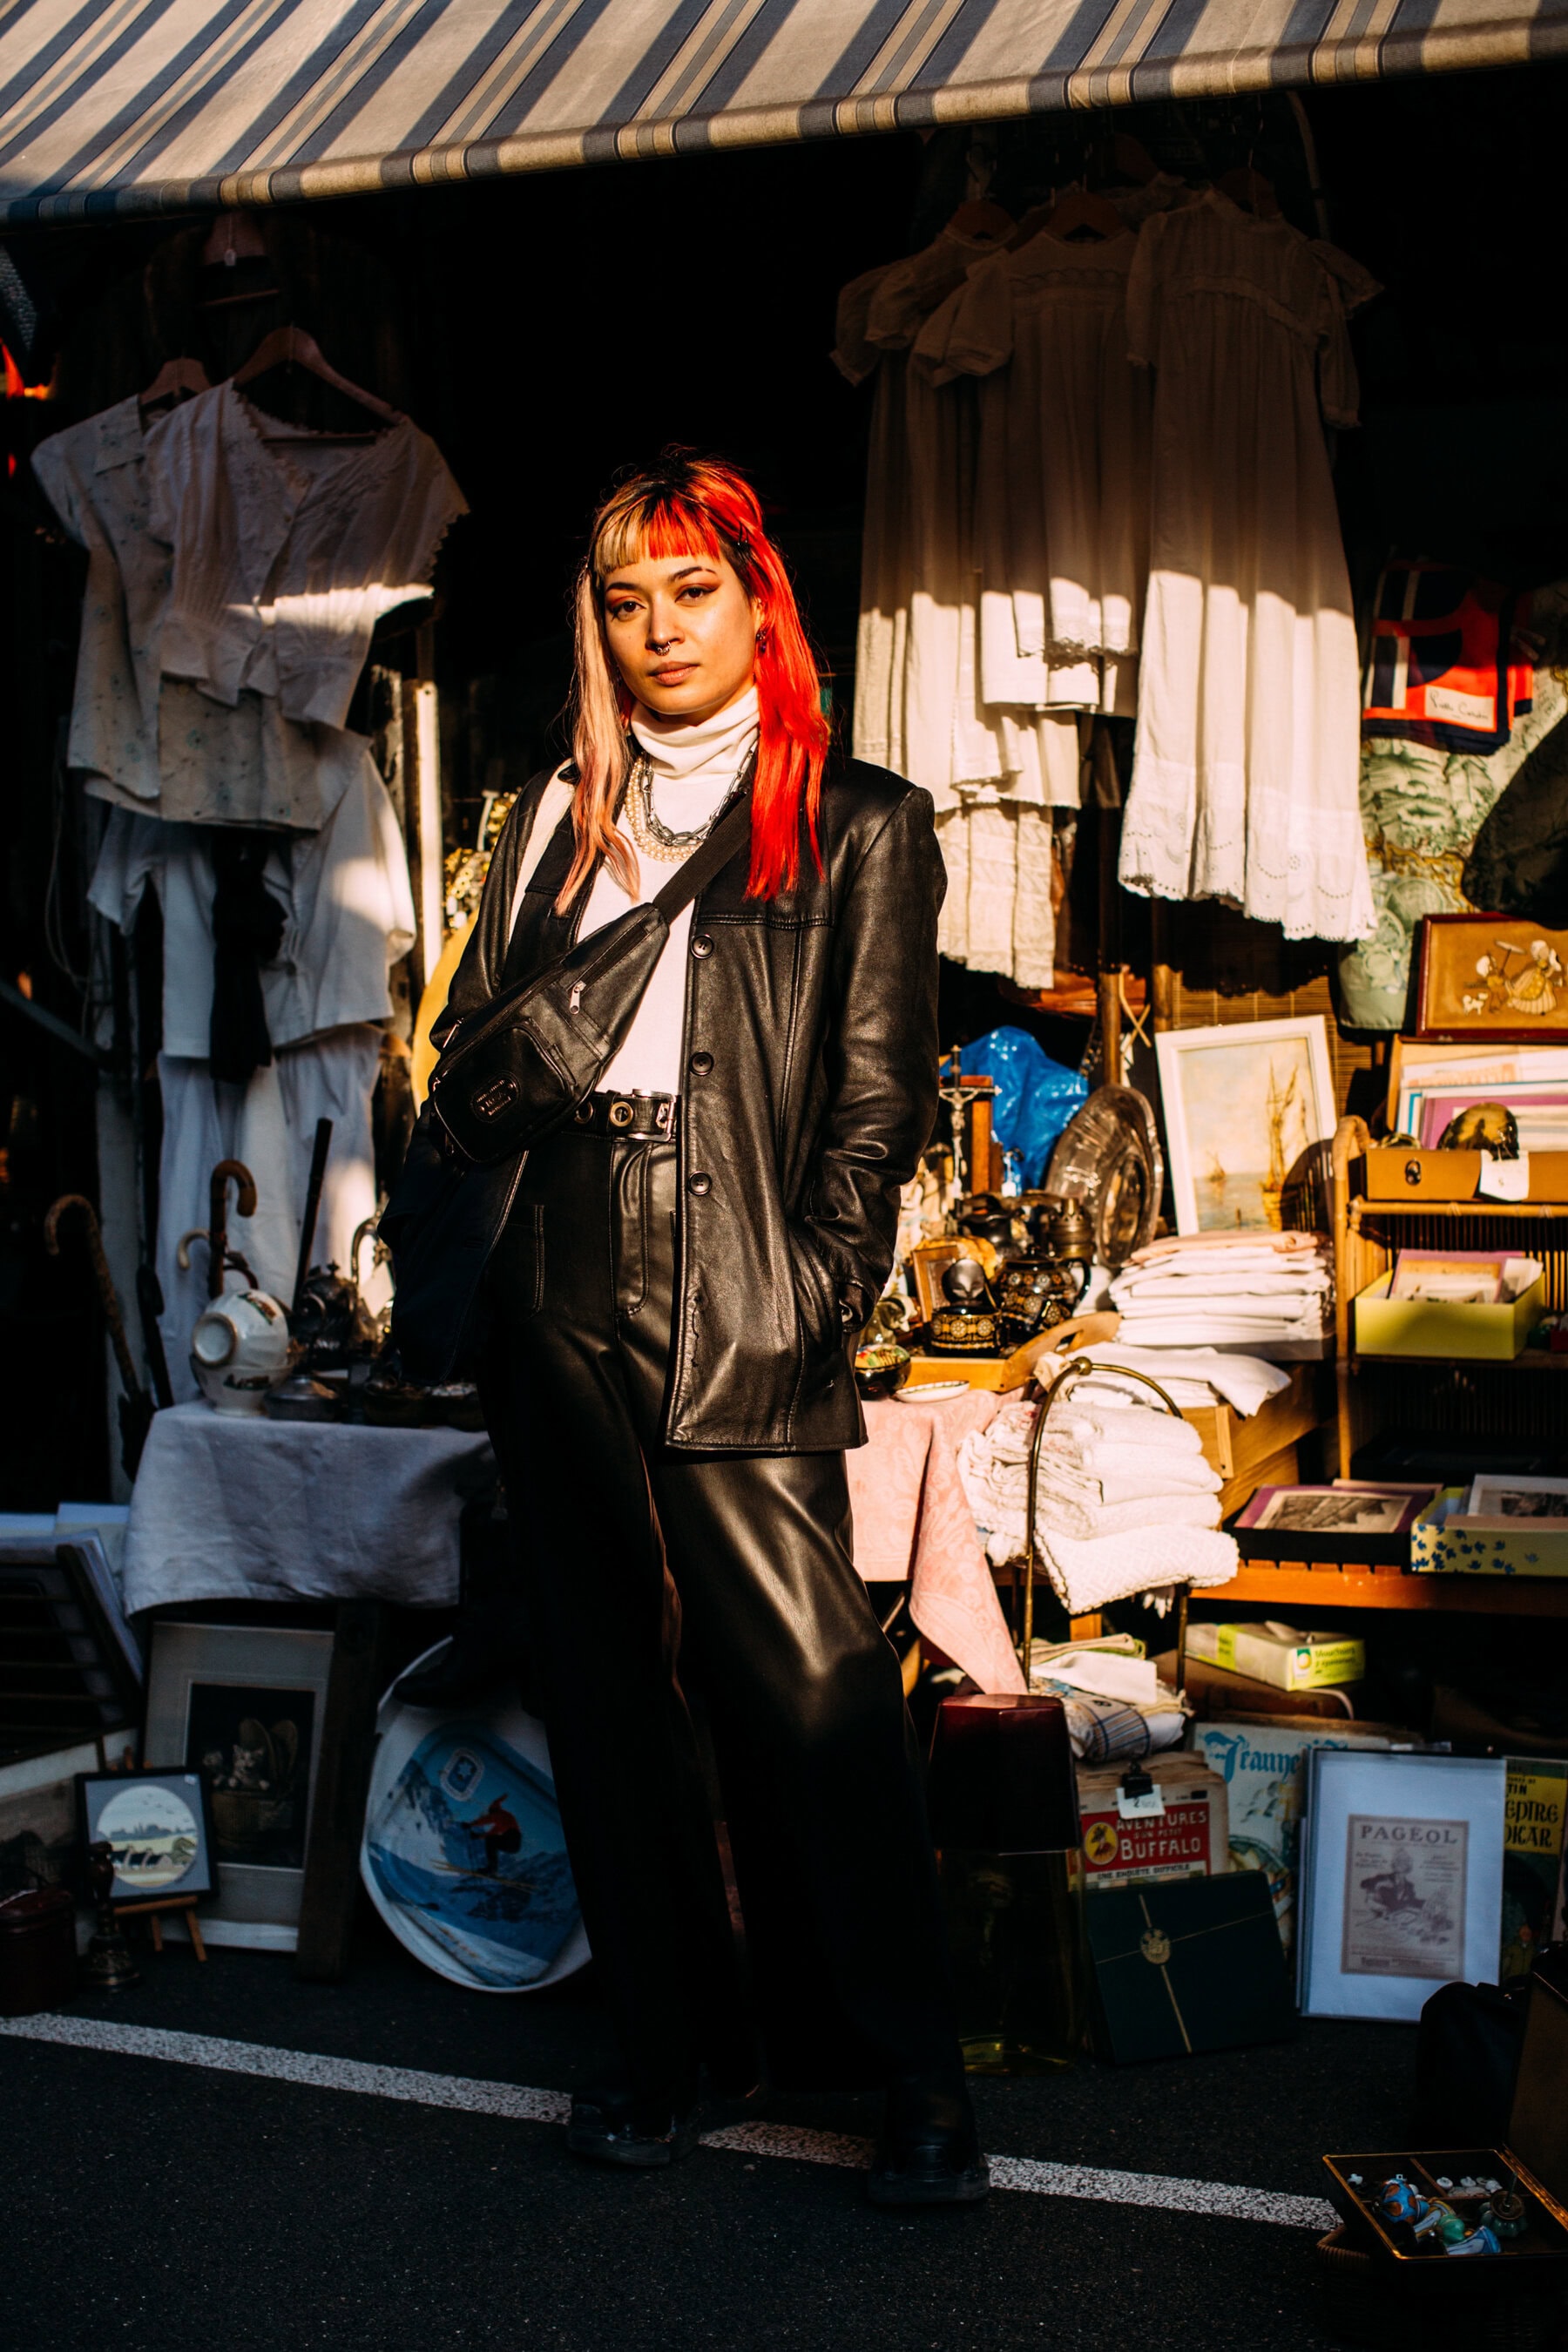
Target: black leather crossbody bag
517	1067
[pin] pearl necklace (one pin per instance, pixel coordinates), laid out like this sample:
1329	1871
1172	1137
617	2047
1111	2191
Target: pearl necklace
653	837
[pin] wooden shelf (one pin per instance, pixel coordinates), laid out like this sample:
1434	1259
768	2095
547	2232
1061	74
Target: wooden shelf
1364	1207
1298	1584
1528	1359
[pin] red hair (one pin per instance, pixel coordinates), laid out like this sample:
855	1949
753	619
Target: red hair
689	506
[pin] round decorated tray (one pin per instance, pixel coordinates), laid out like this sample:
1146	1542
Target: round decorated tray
463	1854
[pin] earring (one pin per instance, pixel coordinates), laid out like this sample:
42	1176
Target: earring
762	641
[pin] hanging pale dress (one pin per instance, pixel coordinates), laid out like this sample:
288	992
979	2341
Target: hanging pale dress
1061	468
1245	783
915	707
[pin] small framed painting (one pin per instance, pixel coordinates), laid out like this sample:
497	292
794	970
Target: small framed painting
159	1825
1334	1510
1401	1885
1494	1498
1243	1105
1491	976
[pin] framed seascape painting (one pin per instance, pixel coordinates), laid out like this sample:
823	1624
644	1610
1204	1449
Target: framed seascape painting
1492	977
1243	1104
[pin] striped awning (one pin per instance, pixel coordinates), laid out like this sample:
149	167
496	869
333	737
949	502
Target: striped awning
138	106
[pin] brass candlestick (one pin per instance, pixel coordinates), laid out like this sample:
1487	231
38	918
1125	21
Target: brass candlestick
109	1964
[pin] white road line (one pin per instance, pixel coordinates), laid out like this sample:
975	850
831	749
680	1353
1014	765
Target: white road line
520	2105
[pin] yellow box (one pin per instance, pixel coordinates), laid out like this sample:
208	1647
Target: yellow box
1289	1660
1435	1327
1445	1542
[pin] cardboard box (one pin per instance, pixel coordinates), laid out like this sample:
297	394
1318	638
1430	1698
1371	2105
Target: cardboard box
1446	1541
1406	1175
1211	1691
1260	1760
1431	1327
1188	1839
1289	1660
1536	1810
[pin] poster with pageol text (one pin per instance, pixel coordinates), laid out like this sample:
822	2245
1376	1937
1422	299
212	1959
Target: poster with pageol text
1404	1898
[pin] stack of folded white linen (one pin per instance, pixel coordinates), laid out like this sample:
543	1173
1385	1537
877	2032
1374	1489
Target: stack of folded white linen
1114	1701
1189	1376
1270	1294
1124	1499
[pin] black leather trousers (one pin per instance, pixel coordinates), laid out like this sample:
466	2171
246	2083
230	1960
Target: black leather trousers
660	1584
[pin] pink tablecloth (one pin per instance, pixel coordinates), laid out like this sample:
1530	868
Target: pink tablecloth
912	1522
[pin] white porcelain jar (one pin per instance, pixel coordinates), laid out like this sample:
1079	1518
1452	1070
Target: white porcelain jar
239	1349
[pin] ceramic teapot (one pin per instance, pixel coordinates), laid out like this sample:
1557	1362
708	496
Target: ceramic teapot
239	1349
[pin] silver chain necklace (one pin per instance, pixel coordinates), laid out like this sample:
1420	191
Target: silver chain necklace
653	837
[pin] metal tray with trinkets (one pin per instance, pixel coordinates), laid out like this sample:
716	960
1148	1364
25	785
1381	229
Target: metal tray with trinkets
1500	2208
1429	2209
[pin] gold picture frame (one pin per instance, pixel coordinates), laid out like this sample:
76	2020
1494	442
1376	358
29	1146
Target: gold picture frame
1500	978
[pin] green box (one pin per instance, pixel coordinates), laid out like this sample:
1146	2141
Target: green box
1432	1327
1445	1542
1288	1659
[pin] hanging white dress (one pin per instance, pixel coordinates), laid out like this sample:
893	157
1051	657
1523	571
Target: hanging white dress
1245	778
349	915
1061	470
916	701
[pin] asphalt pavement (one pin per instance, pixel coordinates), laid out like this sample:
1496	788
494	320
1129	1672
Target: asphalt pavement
149	2199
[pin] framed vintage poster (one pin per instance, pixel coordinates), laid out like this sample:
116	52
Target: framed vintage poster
244	1706
1401	1888
1243	1103
1497	977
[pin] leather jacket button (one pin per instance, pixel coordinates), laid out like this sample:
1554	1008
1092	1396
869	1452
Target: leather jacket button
702	945
699	1185
700	1064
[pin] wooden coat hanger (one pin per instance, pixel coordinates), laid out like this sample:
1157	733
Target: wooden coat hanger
1247	187
293	346
1079	209
1031	225
175	381
982	218
1133	160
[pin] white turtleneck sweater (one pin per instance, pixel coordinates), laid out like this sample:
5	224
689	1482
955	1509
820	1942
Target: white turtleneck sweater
694	770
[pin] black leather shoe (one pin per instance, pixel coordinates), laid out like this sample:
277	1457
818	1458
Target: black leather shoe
611	2126
928	2152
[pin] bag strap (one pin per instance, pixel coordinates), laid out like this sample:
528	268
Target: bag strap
553	803
708	858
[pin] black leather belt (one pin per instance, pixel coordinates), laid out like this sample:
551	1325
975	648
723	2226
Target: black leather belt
630	1118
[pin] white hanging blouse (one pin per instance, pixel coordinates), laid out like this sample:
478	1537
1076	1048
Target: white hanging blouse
287	549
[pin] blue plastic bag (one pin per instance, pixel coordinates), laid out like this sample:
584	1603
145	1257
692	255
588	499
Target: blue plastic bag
1035	1096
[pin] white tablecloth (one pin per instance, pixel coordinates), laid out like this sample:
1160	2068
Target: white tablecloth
232	1508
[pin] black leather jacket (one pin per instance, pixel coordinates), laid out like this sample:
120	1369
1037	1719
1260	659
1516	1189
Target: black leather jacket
808	1093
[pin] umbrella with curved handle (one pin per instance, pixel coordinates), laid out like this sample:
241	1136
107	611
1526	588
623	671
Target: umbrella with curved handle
215	1231
135	1405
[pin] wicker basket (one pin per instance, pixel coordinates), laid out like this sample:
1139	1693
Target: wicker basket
1367	2299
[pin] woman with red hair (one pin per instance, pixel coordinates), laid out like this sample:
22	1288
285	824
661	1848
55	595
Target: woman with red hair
670	1306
